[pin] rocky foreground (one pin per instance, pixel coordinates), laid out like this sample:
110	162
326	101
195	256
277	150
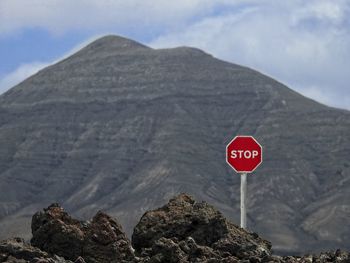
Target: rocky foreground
181	231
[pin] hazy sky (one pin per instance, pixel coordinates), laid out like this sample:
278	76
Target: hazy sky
304	44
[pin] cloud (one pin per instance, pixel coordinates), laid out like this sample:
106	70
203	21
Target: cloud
59	16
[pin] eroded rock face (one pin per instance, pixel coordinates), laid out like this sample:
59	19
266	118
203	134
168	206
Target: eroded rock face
101	240
105	241
16	250
57	232
194	229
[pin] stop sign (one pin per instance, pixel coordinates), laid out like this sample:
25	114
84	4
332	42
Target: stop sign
244	154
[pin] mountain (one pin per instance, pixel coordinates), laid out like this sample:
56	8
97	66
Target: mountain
122	127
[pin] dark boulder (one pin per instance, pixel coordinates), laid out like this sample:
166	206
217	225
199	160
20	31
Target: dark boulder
101	240
183	223
57	232
105	241
17	250
337	256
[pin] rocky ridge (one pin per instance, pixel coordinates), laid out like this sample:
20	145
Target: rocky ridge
183	230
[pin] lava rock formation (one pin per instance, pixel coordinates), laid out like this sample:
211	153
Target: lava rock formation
182	231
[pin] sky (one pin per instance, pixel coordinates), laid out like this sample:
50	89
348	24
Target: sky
303	44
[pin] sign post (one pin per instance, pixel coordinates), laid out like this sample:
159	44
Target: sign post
244	155
243	200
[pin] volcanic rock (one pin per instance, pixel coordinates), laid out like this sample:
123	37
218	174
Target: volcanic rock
182	231
105	241
17	250
101	240
189	229
57	232
337	256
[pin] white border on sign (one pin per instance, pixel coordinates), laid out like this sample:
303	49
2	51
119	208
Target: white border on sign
245	136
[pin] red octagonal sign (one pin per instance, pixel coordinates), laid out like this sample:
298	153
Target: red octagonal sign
244	154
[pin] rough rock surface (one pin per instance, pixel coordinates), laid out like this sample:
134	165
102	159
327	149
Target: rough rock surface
182	231
16	250
189	228
98	240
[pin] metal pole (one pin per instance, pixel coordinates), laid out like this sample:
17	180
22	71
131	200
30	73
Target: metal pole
243	200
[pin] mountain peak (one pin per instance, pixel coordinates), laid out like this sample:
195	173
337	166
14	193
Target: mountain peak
113	43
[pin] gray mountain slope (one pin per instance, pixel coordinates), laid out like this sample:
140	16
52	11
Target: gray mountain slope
121	127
